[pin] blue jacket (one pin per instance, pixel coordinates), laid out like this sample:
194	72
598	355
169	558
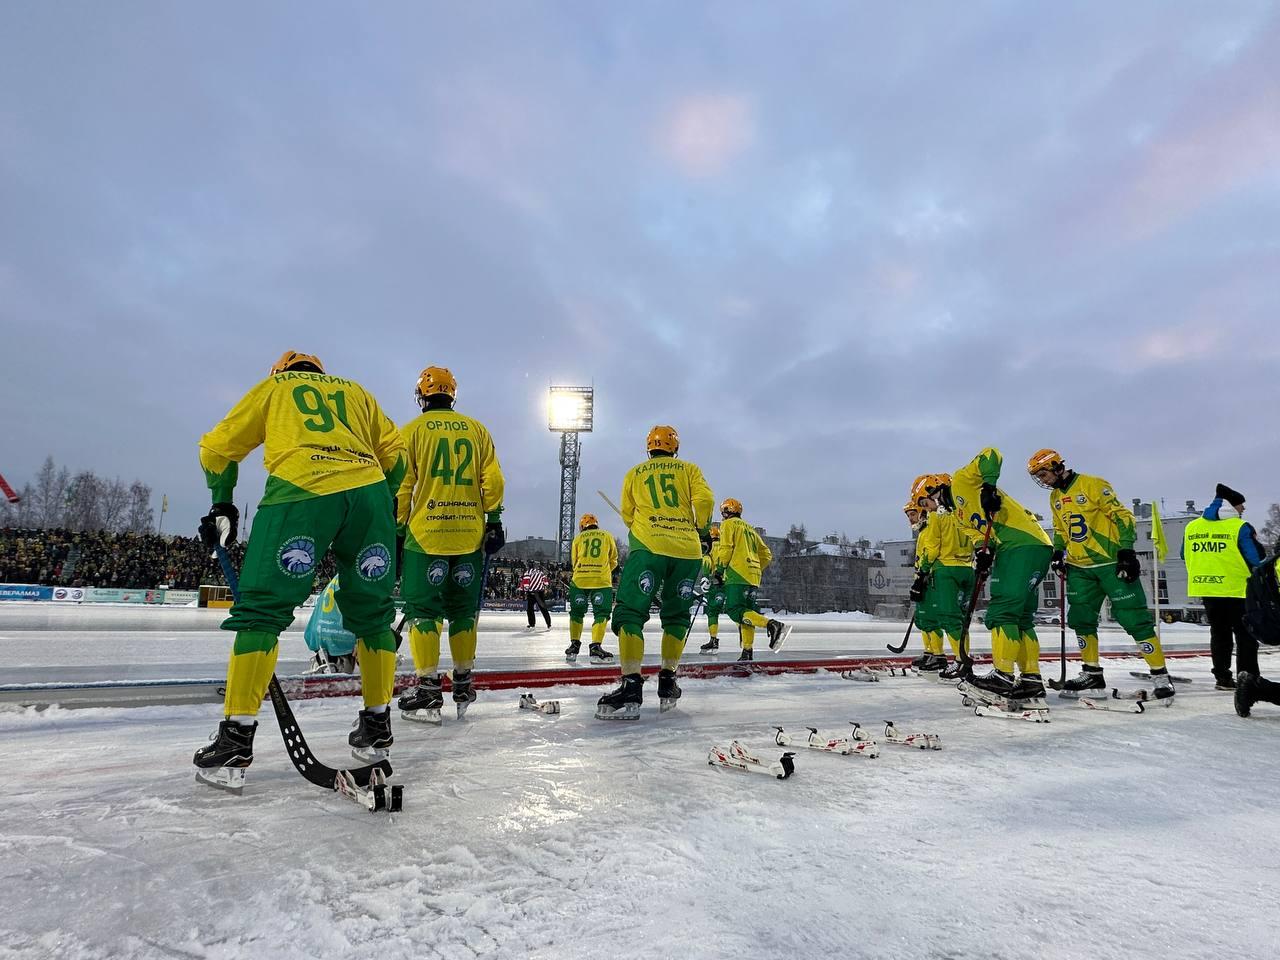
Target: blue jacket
1247	543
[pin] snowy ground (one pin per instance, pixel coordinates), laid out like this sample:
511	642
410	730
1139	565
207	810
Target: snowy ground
1098	835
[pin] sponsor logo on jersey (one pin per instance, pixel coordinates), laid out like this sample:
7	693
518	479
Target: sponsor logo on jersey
1082	499
1106	491
1147	647
297	557
1080	642
646	582
374	562
436	573
463	574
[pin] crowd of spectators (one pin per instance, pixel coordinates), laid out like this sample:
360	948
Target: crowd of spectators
98	559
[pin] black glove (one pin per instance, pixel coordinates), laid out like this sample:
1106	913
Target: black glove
494	537
718	578
1058	564
219	525
990	499
1127	568
706	542
983	559
399	554
916	593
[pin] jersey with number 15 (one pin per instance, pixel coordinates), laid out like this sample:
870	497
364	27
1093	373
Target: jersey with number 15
452	484
320	434
666	504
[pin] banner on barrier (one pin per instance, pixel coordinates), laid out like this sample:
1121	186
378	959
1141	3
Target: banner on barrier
24	591
122	595
181	597
68	594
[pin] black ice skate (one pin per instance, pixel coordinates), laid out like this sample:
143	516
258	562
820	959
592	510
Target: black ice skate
223	762
919	662
745	655
599	654
957	670
571	651
624	702
668	690
1088	683
422	704
1164	683
1029	690
371	739
993	695
710	648
464	694
778	633
933	663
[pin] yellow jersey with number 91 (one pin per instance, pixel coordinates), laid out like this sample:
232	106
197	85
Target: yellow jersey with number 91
320	434
666	503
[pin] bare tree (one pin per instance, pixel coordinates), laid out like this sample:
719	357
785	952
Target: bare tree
49	498
139	517
1270	532
113	504
797	538
84	502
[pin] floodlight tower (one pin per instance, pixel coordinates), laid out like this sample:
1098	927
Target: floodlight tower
570	412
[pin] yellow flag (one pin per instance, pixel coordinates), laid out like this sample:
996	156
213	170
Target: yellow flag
1157	534
164	504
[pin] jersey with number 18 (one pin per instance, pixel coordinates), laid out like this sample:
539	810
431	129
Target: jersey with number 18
452	484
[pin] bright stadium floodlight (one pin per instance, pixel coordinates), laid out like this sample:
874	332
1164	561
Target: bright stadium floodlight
570	409
569	412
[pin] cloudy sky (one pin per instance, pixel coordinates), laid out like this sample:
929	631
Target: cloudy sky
836	244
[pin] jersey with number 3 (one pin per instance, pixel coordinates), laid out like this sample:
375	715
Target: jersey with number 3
666	503
320	434
452	484
594	554
1090	522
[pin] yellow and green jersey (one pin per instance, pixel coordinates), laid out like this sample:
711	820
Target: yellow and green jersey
594	554
1013	525
666	503
1089	522
320	434
945	541
741	554
452	485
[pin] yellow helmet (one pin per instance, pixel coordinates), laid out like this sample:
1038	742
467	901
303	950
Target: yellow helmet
919	486
927	484
730	507
434	380
663	439
588	520
714	532
1045	459
911	510
292	358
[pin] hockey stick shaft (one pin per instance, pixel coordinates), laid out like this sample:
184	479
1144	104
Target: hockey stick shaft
907	636
978	583
1062	620
612	506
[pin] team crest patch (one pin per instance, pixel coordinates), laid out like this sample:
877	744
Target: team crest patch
597	598
1080	642
436	573
580	600
297	557
686	589
646	582
1147	647
750	593
374	562
463	574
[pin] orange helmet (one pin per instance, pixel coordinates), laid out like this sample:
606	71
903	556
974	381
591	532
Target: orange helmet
729	507
714	532
927	484
911	510
588	520
663	439
1046	459
292	358
434	380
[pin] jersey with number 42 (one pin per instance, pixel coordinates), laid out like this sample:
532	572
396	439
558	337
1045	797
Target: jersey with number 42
451	486
320	434
666	503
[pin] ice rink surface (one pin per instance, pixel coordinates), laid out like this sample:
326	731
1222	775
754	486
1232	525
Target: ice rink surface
524	835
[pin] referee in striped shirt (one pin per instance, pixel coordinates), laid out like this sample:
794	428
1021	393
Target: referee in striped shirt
533	583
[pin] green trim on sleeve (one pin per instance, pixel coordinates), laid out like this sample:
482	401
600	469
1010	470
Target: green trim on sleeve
395	476
222	486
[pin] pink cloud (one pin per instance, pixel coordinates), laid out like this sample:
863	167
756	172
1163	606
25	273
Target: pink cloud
704	133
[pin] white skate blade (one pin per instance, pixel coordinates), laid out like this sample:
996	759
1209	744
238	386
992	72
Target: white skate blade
370	754
776	643
596	659
667	703
529	702
462	709
862	673
570	659
423	716
230	779
630	711
1030	715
